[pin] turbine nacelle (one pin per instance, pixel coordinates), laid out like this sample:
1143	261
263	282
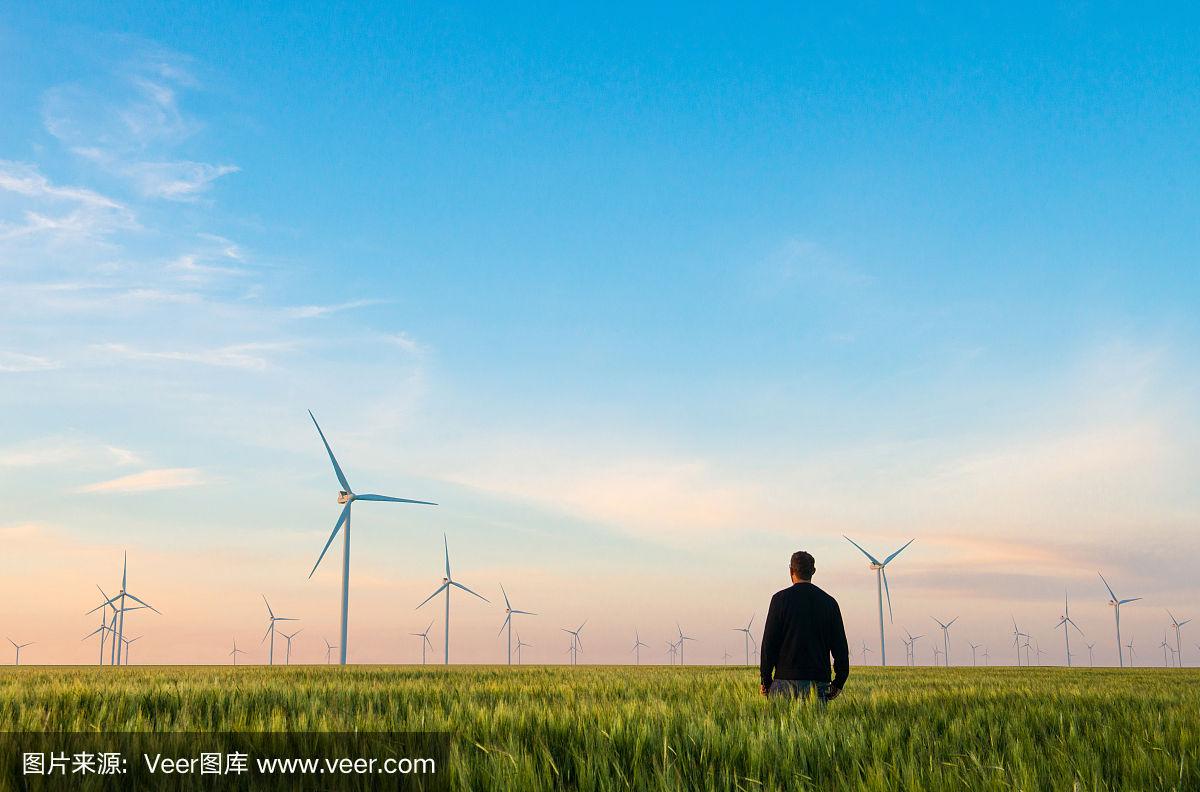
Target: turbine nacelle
345	497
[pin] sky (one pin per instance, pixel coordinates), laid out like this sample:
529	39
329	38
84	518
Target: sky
645	298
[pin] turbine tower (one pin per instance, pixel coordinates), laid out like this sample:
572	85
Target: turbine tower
746	630
946	637
347	497
425	642
271	630
19	647
1066	622
881	586
509	612
448	582
1116	604
637	648
1178	646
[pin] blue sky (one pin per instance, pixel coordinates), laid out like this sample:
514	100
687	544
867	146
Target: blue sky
646	298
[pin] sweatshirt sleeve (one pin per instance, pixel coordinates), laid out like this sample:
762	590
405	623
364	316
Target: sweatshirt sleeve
769	654
839	649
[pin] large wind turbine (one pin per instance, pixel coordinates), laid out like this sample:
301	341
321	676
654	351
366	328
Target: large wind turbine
1066	622
509	612
881	586
637	648
448	582
347	496
19	647
576	642
1178	646
271	629
1116	604
424	636
946	636
682	638
746	630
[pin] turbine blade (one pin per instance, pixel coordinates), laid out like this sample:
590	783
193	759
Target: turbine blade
140	602
269	611
506	602
464	588
888	560
336	467
337	527
525	613
440	589
389	499
952	621
264	638
1110	591
507	616
1132	599
864	552
446	545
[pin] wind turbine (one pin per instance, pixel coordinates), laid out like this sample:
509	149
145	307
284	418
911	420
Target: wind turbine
1132	654
128	642
1017	636
509	612
746	630
1178	646
881	586
287	657
425	642
946	637
973	646
1038	649
328	650
521	643
912	646
936	652
347	497
103	630
271	630
576	642
1116	604
236	651
448	582
986	657
120	597
1091	657
1165	646
1066	622
724	656
19	647
637	647
682	638
671	650
865	651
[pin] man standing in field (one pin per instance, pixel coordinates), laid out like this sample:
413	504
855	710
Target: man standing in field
803	628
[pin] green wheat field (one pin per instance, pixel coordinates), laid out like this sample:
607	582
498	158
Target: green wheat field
670	728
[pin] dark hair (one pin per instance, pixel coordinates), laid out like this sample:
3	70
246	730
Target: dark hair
803	564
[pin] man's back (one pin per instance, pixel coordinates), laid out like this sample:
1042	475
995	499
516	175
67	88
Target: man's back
803	628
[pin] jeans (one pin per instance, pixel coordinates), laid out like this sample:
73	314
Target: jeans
799	689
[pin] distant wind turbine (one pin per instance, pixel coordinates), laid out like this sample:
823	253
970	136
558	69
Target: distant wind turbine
287	657
912	647
682	638
128	643
271	630
1091	657
19	647
1132	654
1066	622
946	637
448	582
724	656
671	650
425	642
1178	646
1017	635
576	642
986	656
520	643
1116	604
1165	646
118	601
509	612
973	646
328	650
881	586
235	652
748	638
865	651
637	648
347	497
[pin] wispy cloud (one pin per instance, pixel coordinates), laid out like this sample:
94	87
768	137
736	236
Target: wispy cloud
315	311
243	356
149	480
16	362
51	209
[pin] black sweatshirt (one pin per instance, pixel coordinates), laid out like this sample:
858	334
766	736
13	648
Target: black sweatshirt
804	627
